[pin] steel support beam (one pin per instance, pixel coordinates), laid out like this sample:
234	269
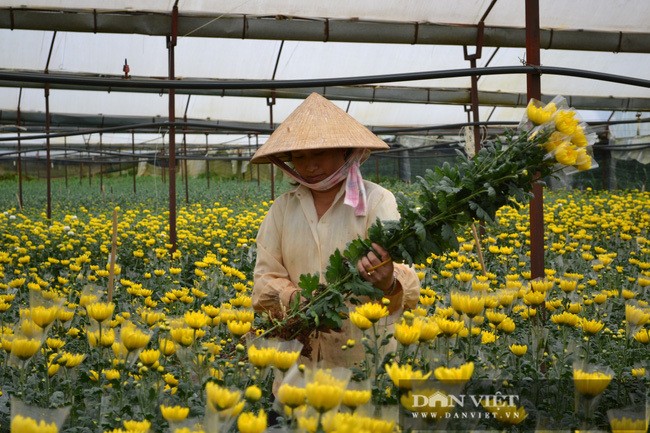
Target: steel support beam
220	25
533	88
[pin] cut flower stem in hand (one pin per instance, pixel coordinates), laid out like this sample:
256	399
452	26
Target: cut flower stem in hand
550	138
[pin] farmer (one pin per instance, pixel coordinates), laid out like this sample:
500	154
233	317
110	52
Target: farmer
320	147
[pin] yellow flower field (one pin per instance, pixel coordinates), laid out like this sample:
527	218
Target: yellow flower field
169	342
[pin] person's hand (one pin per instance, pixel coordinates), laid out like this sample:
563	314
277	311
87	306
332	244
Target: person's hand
377	268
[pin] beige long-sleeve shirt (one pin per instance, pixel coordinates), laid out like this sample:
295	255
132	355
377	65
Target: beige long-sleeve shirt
292	241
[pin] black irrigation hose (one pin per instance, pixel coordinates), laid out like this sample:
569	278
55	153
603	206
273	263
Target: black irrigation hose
149	83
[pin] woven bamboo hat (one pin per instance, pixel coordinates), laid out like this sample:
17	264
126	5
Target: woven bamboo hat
317	124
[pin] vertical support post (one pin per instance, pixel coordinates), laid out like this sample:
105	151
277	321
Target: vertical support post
185	175
257	146
187	190
533	90
19	162
474	96
134	158
65	158
207	161
101	164
171	43
48	157
271	102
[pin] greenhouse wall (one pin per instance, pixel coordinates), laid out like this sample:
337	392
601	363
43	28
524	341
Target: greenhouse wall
614	170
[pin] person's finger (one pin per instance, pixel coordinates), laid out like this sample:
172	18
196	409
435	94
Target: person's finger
373	259
362	265
384	255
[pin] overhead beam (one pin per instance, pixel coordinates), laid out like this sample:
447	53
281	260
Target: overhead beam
85	124
218	25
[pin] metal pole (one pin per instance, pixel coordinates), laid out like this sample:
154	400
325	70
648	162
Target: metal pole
65	157
48	160
19	165
134	158
171	43
101	164
207	161
187	190
257	146
534	90
271	102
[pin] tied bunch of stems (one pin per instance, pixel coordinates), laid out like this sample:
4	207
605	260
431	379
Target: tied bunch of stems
549	138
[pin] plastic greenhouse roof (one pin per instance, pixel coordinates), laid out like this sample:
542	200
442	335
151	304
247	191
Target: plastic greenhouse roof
297	40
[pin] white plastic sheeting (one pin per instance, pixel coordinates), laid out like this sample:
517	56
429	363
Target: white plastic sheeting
219	58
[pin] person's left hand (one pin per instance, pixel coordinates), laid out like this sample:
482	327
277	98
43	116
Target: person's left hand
378	270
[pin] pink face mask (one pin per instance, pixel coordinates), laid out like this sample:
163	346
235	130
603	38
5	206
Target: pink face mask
355	192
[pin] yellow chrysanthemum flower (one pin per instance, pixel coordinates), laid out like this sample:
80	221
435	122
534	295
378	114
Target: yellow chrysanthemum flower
174	413
248	422
323	396
372	311
137	426
284	360
460	374
261	357
566	122
220	398
360	321
149	357
407	334
239	328
403	375
253	393
292	396
100	311
643	336
43	316
591	327
354	398
133	338
106	338
518	349
590	384
183	335
24	348
467	304
540	115
23	424
636	316
449	327
628	425
195	319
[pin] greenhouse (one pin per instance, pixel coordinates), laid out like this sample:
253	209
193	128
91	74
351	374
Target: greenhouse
511	295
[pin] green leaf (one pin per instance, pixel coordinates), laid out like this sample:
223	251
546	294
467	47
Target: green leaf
449	236
308	283
336	269
355	250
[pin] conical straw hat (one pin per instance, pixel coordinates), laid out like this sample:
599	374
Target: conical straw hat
317	124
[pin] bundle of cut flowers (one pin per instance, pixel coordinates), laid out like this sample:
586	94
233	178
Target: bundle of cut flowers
549	138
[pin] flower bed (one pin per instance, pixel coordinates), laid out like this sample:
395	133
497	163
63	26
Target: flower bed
167	343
